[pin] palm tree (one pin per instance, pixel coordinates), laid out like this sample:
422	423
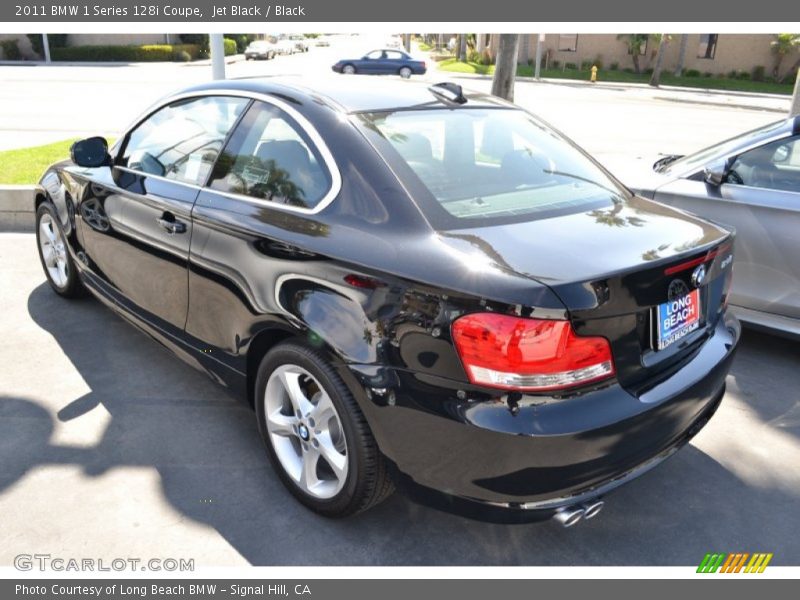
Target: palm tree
663	40
682	54
635	43
784	44
462	47
505	69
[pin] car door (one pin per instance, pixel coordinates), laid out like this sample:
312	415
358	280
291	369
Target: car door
137	217
370	64
760	197
393	61
261	196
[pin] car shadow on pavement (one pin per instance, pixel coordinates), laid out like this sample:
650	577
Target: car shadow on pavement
207	451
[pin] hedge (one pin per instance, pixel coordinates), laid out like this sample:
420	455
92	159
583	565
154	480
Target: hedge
230	46
146	53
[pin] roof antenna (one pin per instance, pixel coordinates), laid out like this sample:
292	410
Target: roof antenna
449	91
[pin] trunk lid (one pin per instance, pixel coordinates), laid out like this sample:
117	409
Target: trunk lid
613	267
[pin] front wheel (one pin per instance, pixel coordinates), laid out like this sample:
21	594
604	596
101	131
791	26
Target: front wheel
348	70
405	72
317	439
59	268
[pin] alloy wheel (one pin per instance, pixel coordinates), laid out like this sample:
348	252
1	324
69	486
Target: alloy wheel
305	431
54	251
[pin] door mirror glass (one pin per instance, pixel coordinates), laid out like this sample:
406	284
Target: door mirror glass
91	152
782	154
715	172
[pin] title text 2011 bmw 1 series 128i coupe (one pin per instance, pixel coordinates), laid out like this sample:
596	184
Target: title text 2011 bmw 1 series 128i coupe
415	286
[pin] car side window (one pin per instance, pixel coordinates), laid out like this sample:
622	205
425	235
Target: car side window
374	55
270	157
394	55
181	141
774	166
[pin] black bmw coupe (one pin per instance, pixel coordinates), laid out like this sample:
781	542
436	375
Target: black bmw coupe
415	286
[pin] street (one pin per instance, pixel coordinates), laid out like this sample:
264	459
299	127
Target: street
110	446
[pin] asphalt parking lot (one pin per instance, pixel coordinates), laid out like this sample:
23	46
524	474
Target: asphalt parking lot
110	446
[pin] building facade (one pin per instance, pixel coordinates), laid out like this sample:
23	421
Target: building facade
704	52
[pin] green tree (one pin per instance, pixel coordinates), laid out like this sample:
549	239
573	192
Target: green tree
783	45
636	42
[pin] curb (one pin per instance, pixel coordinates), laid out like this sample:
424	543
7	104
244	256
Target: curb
204	62
16	208
664	89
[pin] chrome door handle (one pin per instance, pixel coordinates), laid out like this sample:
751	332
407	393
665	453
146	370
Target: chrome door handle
171	225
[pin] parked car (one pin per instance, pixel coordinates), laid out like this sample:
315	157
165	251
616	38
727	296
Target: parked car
414	286
300	44
382	62
285	46
259	49
751	183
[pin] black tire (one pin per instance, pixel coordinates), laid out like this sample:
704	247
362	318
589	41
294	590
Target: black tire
72	287
349	69
367	482
405	72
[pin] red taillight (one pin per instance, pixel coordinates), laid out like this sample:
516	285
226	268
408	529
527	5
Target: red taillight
514	353
359	281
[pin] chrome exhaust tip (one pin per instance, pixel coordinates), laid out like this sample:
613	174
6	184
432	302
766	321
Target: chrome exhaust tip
569	515
592	509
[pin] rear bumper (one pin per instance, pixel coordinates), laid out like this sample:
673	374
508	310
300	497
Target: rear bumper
516	458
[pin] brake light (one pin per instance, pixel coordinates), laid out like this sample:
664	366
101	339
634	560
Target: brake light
697	261
515	353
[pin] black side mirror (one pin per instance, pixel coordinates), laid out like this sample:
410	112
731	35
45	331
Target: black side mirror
715	172
91	152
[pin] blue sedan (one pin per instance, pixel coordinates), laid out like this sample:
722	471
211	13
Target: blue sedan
386	61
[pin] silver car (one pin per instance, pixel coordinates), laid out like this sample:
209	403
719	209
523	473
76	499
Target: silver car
750	183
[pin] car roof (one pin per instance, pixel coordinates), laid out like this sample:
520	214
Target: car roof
354	93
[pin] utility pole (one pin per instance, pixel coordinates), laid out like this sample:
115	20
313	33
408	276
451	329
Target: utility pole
217	47
795	109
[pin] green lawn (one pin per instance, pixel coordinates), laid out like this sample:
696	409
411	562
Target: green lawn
26	165
715	83
454	66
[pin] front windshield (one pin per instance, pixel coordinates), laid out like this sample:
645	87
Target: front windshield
699	160
493	163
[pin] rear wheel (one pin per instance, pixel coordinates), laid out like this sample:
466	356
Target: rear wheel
59	268
316	436
405	72
348	70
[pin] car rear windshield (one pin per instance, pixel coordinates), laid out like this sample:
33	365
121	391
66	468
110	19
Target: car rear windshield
489	165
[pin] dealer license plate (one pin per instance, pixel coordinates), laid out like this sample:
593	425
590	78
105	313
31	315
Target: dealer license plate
677	319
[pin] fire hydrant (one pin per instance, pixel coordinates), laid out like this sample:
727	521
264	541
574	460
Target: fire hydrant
594	74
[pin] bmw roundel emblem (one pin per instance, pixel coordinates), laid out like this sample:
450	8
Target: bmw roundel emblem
699	276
